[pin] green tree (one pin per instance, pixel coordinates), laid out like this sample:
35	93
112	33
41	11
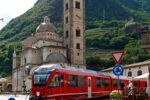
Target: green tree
134	53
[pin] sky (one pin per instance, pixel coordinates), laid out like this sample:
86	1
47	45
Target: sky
10	9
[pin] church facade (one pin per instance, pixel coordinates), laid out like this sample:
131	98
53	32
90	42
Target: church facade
45	46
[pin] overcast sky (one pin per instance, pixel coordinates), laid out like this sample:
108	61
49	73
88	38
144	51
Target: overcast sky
12	8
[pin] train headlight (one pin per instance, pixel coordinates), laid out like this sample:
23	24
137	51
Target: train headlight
37	93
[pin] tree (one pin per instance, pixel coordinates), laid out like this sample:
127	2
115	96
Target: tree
134	53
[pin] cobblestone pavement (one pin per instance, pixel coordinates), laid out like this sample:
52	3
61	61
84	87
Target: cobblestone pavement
17	97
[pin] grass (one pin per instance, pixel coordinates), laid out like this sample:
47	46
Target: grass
104	54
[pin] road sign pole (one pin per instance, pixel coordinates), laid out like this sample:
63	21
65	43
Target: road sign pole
118	69
118	87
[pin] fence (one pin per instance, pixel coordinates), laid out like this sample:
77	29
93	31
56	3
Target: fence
137	94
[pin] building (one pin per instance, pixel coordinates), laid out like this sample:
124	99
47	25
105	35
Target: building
45	46
74	29
145	39
133	70
132	27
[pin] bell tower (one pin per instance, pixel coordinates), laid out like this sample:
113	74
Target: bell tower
74	29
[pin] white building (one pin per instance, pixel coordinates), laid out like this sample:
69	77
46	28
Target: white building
132	70
46	46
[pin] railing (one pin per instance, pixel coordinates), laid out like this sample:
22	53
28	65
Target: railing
137	94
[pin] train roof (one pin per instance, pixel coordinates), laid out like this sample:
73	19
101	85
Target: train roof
49	67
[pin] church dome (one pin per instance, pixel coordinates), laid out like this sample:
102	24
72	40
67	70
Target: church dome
46	26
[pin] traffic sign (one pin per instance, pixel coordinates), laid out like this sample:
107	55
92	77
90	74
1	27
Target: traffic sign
118	70
118	56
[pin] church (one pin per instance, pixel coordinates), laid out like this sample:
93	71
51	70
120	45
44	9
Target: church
45	46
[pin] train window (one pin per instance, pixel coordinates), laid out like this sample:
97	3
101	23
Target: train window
114	83
55	81
121	83
62	80
102	82
72	81
40	79
81	81
76	81
105	82
98	82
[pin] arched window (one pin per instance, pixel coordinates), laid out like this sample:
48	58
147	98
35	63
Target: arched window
78	45
77	4
67	20
67	34
67	6
78	32
129	74
139	73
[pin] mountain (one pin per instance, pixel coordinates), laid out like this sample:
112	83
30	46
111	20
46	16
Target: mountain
108	14
96	10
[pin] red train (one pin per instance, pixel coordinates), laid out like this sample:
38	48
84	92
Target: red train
57	82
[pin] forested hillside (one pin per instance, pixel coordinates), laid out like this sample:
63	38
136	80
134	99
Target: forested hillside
105	20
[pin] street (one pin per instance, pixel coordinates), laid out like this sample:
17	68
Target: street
18	97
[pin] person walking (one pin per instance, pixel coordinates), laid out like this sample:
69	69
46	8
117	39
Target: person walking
130	90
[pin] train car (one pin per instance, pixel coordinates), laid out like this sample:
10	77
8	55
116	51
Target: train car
118	83
57	82
139	83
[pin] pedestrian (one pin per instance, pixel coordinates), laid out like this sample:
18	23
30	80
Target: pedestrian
130	90
125	91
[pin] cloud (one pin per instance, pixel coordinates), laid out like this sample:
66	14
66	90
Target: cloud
12	8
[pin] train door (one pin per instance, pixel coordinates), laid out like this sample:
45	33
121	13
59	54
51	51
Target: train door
89	88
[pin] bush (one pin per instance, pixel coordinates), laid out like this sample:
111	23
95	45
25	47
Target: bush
115	94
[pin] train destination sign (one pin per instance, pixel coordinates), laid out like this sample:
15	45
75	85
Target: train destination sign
118	70
118	56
